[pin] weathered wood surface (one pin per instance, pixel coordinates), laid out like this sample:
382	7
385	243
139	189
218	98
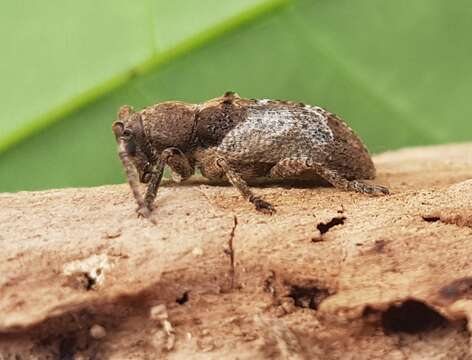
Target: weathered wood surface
392	280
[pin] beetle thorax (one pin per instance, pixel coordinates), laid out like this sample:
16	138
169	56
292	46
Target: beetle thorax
170	124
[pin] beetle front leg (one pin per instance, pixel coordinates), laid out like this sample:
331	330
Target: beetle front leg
147	206
238	182
180	167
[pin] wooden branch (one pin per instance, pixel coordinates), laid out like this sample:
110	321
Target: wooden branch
395	268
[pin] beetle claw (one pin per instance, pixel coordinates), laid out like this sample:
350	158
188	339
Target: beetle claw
264	206
143	211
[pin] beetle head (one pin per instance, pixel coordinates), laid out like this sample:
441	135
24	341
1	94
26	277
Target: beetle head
129	131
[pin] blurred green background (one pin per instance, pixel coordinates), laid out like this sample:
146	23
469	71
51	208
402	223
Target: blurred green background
398	71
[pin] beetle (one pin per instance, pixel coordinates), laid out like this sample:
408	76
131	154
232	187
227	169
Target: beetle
236	139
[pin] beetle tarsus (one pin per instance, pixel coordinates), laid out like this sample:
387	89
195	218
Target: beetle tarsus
144	212
263	206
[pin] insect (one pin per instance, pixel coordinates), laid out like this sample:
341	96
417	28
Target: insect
236	139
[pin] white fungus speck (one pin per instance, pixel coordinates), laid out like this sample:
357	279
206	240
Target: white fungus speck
97	331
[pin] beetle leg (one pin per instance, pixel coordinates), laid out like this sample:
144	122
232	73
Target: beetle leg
151	192
370	189
293	167
178	164
289	167
238	182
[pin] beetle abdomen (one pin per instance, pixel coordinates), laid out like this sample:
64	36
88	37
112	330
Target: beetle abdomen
260	133
347	154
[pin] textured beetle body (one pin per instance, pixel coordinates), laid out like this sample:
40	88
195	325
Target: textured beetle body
240	139
264	132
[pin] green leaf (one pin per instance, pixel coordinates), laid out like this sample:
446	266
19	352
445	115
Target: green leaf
398	72
59	55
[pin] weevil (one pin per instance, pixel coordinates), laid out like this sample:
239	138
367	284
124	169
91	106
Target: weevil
235	139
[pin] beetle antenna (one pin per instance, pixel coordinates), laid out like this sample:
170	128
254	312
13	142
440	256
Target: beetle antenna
130	172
